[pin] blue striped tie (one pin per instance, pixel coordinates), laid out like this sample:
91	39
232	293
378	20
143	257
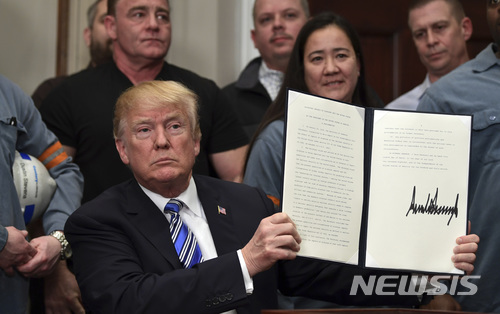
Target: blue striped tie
184	240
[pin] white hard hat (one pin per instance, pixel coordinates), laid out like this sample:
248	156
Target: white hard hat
35	187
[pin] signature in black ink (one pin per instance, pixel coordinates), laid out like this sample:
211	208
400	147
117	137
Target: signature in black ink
431	207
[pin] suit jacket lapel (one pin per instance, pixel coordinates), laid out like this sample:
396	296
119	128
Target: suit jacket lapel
149	221
221	225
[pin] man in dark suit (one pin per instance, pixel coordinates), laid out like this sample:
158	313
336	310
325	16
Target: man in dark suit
125	260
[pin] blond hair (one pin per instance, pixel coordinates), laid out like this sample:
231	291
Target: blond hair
155	95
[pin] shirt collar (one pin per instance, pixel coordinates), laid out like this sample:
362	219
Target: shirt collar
189	197
427	82
423	87
270	79
486	59
265	71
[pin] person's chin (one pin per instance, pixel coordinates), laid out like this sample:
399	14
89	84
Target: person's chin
439	66
154	52
332	91
436	59
283	47
167	175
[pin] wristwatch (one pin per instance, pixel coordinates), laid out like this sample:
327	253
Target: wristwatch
65	247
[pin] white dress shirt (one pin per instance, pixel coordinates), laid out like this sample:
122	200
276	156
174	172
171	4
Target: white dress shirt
194	218
270	79
410	100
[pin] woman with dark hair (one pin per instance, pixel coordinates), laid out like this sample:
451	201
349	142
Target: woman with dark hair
326	61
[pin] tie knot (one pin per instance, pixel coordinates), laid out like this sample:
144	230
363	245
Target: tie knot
173	206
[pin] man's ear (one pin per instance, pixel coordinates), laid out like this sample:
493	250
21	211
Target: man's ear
87	36
109	23
252	35
196	147
122	151
467	28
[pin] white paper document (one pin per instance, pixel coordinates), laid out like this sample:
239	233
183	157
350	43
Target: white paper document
376	188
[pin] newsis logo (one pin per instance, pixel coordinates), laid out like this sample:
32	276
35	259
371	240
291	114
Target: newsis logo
414	285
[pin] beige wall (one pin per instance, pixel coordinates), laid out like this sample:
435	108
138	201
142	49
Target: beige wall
28	41
210	37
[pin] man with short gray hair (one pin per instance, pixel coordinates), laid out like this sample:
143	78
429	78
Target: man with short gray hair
440	30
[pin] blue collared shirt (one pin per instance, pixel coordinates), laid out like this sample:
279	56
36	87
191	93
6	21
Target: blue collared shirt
22	129
474	88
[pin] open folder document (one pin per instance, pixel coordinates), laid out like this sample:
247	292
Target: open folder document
373	187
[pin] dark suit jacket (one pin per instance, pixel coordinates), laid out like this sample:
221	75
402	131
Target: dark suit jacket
125	262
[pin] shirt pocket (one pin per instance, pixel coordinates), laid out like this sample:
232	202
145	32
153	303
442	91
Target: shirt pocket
486	136
10	130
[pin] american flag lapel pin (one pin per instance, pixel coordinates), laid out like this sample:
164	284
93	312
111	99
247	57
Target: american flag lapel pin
222	210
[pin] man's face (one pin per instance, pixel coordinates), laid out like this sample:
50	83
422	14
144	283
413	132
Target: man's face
493	17
277	23
100	44
440	39
158	146
141	29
